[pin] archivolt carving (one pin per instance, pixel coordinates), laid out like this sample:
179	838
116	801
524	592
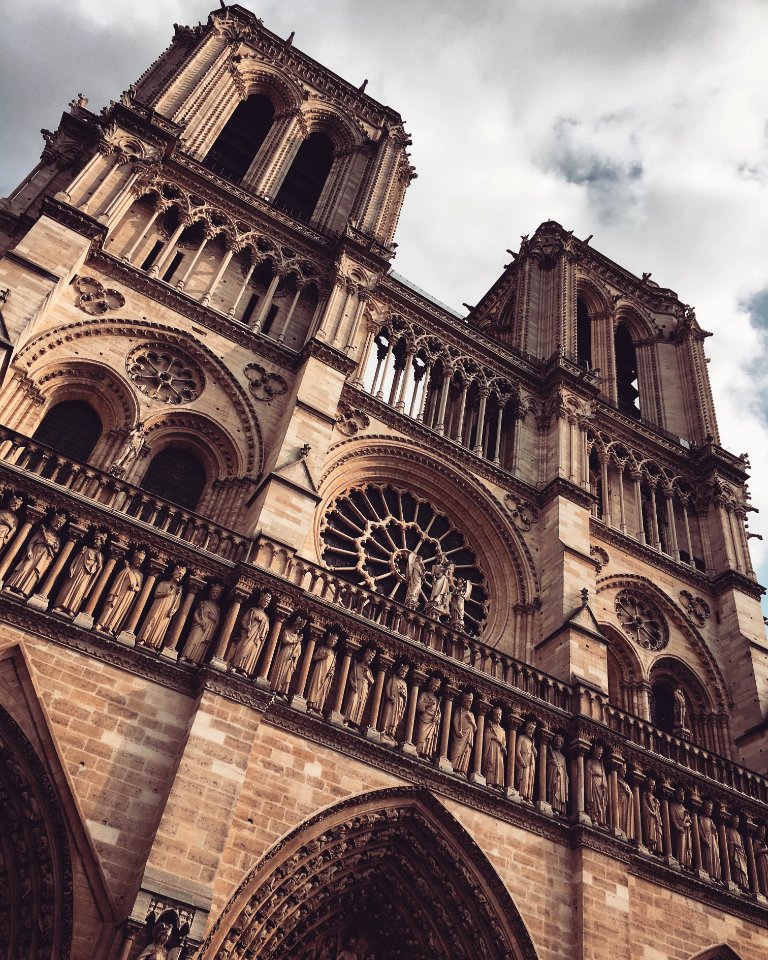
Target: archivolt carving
170	338
35	869
501	550
393	870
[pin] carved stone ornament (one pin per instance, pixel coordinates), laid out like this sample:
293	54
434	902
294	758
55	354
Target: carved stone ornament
600	557
697	608
350	421
523	514
397	545
263	384
641	620
95	299
164	373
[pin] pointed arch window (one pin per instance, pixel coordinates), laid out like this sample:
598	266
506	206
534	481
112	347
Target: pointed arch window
583	333
71	428
238	143
177	475
306	178
627	392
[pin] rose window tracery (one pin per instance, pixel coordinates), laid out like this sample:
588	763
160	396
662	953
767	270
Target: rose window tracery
641	620
164	373
400	546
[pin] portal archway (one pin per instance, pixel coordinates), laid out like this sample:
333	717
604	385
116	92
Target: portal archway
388	874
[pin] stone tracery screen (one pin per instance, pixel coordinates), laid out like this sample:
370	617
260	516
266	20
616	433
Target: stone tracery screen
398	545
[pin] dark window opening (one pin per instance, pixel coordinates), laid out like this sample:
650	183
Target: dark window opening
239	141
663	705
153	254
175	263
304	182
71	428
270	319
583	334
627	392
250	308
175	475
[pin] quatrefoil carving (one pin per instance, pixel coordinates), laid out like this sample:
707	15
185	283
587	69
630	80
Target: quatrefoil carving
263	384
95	298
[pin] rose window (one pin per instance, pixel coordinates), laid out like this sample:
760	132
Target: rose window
641	620
165	374
398	545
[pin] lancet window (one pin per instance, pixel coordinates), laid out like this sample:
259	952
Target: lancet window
236	146
177	475
71	428
452	395
304	182
583	333
627	390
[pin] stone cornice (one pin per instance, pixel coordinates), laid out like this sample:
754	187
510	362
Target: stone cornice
329	355
73	218
179	302
442	445
31	266
733	580
560	487
601	532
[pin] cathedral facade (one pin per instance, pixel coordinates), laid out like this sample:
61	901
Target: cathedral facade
335	624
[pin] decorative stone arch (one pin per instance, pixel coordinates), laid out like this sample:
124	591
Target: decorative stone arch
95	383
642	330
36	908
343	132
708	672
30	357
393	869
720	952
503	555
256	77
625	671
699	700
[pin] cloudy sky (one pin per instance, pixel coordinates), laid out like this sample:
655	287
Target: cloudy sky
643	122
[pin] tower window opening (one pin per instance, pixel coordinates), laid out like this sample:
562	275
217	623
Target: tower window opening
153	254
250	308
269	320
243	134
583	334
174	266
176	475
627	391
71	428
306	178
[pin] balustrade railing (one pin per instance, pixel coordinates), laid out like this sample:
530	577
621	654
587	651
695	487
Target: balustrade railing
20	453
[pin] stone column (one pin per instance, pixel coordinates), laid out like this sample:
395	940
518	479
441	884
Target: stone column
497	443
116	551
725	859
696	837
513	725
578	750
336	717
207	296
407	370
40	599
266	303
476	774
637	780
193	262
155	567
314	633
282	612
195	585
372	730
605	504
417	678
478	447
636	478
160	207
289	315
379	393
18	541
440	423
240	593
749	848
165	254
543	740
443	763
615	767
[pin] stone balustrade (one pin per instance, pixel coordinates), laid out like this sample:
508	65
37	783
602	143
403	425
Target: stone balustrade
20	454
436	698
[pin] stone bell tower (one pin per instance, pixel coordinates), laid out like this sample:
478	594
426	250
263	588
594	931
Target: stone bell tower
335	624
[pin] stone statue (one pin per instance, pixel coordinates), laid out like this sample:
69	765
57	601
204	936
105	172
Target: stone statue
164	604
680	710
761	860
132	449
124	590
82	573
205	619
557	777
415	573
494	750
681	823
456	604
360	683
254	628
395	701
736	855
157	949
596	787
8	520
442	580
321	675
427	726
287	656
710	843
651	813
464	725
525	762
38	556
626	809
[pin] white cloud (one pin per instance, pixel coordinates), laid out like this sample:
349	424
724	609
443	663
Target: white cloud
642	122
